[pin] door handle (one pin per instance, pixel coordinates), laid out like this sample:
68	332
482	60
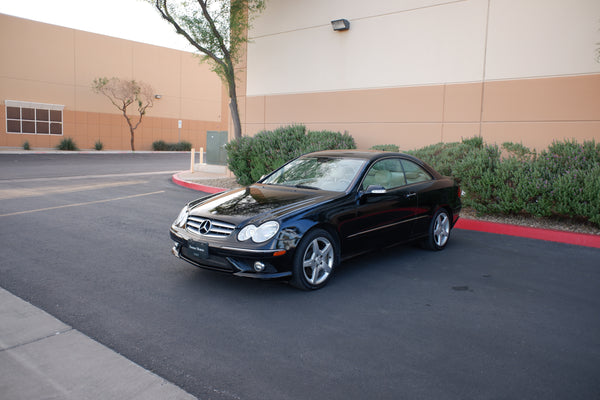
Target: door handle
411	194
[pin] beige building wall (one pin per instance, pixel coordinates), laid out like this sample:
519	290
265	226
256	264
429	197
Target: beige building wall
418	72
44	63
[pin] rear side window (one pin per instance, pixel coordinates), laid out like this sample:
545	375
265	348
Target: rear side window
414	173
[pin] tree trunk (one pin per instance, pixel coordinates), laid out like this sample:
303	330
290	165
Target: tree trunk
235	116
233	108
132	147
131	128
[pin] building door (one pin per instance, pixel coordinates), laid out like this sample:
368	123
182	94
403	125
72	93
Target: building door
215	147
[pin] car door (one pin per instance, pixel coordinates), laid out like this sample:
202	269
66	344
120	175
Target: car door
385	208
418	180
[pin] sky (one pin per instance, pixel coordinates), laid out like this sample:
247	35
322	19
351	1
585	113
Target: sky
126	19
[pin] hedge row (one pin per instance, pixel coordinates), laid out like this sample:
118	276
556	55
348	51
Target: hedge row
562	181
249	158
161	145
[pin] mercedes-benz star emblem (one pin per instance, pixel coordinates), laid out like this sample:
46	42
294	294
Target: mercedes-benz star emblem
205	227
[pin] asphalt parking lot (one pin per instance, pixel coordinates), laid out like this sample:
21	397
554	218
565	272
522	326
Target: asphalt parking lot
490	317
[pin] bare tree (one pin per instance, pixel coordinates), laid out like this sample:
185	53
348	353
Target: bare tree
217	29
124	93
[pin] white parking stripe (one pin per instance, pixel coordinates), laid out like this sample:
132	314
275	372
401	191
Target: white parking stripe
45	190
66	178
80	204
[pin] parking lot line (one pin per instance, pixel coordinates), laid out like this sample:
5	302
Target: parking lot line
81	204
6	194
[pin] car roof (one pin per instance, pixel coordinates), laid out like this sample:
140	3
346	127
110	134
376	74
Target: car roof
361	154
370	156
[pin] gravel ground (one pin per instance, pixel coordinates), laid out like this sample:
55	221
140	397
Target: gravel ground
545	223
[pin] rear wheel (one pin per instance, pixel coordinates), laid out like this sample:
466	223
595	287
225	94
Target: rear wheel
439	231
315	259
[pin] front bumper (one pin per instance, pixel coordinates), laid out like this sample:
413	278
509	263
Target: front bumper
233	260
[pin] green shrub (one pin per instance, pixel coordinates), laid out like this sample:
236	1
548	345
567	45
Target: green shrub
161	145
26	145
271	149
569	173
181	146
445	156
518	150
386	147
67	144
327	140
98	145
249	158
562	181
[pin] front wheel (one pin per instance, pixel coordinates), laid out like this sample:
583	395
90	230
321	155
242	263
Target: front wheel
314	261
439	231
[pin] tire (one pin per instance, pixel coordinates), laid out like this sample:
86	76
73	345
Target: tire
439	231
314	261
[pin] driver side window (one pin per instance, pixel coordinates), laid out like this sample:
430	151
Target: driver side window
387	173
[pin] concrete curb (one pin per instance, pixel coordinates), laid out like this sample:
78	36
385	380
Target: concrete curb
43	358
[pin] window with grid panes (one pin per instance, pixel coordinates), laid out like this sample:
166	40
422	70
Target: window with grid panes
33	118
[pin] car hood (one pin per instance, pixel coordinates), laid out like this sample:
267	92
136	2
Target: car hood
257	201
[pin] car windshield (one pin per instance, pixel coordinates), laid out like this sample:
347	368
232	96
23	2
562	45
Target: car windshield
323	173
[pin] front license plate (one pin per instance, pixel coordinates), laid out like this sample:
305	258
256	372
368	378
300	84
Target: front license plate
199	249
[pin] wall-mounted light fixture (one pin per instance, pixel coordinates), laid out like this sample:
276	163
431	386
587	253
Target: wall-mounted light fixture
340	25
157	96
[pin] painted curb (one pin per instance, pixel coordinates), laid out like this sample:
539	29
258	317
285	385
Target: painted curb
196	186
579	239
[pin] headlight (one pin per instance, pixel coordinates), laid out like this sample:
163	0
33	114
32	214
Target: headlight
182	217
259	234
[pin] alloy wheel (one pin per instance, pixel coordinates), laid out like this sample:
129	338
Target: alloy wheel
317	262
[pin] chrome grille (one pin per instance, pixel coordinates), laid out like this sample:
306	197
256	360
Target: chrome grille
208	227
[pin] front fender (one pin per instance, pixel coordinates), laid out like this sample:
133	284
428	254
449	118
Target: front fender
289	236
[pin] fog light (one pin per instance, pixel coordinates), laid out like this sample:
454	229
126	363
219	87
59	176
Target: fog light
259	266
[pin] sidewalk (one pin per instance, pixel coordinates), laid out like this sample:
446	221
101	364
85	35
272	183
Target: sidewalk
42	358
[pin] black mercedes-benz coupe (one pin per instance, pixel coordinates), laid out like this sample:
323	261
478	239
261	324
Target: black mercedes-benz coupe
300	221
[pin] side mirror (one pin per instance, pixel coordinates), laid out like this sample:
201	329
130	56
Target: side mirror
371	192
375	189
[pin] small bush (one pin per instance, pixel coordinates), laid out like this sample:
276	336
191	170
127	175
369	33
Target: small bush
161	145
67	144
26	145
249	158
386	147
98	145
